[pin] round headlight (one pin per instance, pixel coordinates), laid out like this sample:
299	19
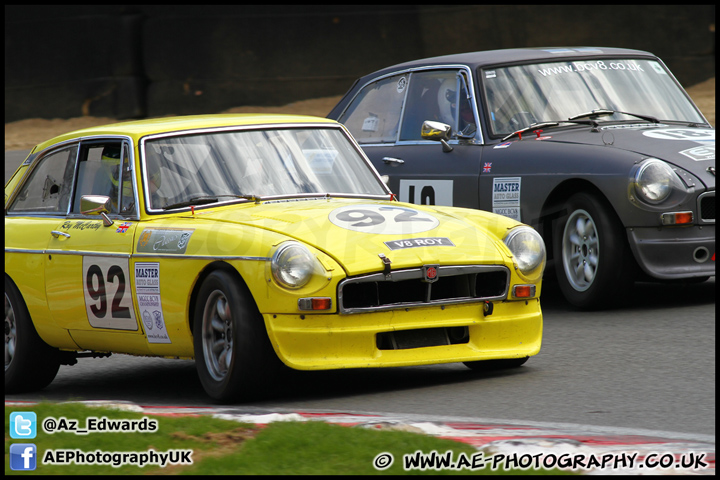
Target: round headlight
527	247
292	265
654	181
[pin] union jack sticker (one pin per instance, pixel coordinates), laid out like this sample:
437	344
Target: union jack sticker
487	167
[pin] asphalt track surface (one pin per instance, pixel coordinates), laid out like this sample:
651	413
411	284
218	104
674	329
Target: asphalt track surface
639	377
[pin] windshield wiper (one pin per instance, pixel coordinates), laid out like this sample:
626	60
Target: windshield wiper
204	200
577	120
604	111
534	126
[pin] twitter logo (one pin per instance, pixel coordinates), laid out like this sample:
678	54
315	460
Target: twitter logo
23	425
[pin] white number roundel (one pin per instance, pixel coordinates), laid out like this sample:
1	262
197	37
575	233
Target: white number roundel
694	134
382	219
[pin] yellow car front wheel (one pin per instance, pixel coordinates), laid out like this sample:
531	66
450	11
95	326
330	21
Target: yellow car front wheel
233	355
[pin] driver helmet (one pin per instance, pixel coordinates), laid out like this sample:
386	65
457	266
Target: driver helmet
110	160
447	98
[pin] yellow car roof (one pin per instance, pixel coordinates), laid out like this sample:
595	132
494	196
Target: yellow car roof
140	128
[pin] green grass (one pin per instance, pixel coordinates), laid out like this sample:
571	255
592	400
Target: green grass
222	447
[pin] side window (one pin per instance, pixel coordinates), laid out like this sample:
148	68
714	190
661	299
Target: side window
432	95
127	199
374	115
103	170
49	186
467	124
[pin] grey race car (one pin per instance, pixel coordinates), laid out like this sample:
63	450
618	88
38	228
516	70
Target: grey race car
599	149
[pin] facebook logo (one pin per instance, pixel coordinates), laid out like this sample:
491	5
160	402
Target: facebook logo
23	456
23	425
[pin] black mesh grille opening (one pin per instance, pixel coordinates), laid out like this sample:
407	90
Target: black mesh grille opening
707	208
407	288
491	284
422	337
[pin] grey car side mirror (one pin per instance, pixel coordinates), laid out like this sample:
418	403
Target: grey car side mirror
437	131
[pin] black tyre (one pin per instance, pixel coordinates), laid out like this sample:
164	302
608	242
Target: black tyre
493	365
593	262
30	363
233	355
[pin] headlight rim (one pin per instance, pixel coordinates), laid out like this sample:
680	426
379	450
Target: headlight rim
532	269
672	181
275	265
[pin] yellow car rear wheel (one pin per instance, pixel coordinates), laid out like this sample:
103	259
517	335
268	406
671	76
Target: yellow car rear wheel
30	363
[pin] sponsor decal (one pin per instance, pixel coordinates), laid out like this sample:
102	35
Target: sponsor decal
419	242
163	240
700	154
401	84
370	124
147	291
506	197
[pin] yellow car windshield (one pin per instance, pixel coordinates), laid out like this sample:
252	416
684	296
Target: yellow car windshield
209	167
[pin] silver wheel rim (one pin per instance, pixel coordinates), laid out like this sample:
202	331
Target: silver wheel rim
217	335
580	250
10	332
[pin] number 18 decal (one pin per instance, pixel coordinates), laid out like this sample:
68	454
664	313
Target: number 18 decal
382	219
108	297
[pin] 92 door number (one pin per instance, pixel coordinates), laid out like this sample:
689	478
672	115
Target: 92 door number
108	298
382	219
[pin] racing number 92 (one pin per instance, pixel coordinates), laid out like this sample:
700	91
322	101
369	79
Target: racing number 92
380	219
95	275
108	302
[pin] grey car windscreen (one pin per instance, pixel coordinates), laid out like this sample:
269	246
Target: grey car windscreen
519	96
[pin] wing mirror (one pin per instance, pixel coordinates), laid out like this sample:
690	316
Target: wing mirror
437	131
97	205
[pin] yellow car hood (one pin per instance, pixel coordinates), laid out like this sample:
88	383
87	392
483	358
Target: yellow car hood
356	232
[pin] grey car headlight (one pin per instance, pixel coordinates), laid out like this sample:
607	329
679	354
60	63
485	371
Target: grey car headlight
528	248
292	265
655	180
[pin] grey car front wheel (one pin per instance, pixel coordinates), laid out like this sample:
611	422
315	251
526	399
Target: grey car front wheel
580	250
594	264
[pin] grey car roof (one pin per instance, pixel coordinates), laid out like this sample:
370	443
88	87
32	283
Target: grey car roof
517	55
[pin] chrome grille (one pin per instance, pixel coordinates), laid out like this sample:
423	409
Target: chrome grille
706	207
409	288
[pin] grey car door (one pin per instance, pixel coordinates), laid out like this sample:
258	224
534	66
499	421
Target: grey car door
386	119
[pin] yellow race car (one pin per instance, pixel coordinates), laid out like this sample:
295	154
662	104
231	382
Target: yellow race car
250	243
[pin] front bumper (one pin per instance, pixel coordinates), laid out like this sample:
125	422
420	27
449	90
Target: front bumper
674	252
331	341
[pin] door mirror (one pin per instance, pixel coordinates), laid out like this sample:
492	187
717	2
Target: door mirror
97	205
437	131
